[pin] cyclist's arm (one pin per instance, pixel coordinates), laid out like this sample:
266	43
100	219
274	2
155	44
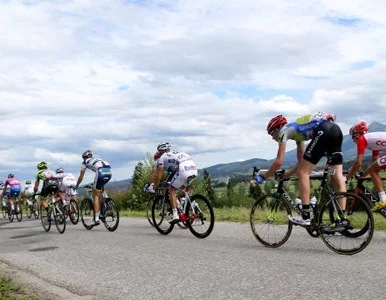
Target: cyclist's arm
36	186
81	175
356	166
278	161
158	175
299	153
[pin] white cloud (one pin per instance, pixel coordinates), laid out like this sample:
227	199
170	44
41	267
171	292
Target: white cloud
120	76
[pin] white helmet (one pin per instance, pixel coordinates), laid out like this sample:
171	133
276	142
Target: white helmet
164	147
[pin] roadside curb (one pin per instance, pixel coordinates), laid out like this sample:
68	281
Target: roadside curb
35	286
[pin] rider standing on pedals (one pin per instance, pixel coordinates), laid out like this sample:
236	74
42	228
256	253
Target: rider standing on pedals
326	137
182	170
376	142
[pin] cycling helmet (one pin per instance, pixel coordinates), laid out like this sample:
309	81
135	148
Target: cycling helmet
276	123
42	165
59	170
28	182
163	147
359	128
157	155
11	175
87	154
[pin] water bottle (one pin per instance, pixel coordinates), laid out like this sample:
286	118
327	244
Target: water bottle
313	201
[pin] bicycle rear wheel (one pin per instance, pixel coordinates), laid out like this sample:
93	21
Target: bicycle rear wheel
11	214
28	209
45	218
109	214
161	214
18	212
269	221
35	209
353	232
87	213
200	215
4	211
73	212
59	216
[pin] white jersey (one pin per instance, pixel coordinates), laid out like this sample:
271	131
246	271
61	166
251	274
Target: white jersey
172	160
95	164
28	190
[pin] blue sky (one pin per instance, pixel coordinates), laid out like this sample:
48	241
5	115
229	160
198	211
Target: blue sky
118	77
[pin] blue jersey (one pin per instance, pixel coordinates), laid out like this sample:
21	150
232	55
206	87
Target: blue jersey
303	128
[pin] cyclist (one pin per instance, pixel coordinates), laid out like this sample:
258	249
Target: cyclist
326	137
67	183
149	187
376	142
14	189
49	178
182	171
103	174
28	190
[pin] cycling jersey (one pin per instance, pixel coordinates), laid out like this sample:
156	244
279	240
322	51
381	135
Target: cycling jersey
14	187
171	160
303	129
12	182
94	164
374	141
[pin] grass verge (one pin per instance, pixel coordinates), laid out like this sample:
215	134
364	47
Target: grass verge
11	291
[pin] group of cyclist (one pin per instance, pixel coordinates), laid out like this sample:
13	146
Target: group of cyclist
320	129
326	139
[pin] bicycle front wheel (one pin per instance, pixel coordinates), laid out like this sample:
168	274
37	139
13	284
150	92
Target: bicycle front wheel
59	216
28	210
200	215
269	221
87	213
110	214
162	214
343	233
35	209
148	209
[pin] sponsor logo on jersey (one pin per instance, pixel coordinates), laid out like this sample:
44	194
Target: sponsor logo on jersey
380	143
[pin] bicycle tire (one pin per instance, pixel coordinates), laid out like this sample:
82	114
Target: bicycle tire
19	210
11	215
110	214
35	208
73	209
161	209
28	210
148	210
44	218
360	227
4	211
59	216
87	213
268	217
198	215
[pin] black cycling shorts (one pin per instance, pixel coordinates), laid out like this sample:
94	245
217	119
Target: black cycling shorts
328	138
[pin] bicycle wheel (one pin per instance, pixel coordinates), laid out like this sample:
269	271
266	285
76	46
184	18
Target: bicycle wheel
109	214
11	214
59	216
161	213
18	212
28	209
355	230
45	218
73	212
148	210
200	215
87	213
35	209
4	211
269	220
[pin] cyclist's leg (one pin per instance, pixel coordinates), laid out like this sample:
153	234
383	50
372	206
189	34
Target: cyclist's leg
375	167
102	176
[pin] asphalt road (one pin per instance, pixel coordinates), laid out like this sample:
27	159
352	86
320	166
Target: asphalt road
136	262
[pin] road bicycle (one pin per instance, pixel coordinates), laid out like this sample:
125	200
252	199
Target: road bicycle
55	210
196	213
342	233
366	193
71	208
180	202
109	212
8	212
32	208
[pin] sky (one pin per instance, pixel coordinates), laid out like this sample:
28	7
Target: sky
120	76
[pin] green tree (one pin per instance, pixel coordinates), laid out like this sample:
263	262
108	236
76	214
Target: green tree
208	187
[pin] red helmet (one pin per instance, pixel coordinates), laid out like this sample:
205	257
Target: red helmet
360	127
276	123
